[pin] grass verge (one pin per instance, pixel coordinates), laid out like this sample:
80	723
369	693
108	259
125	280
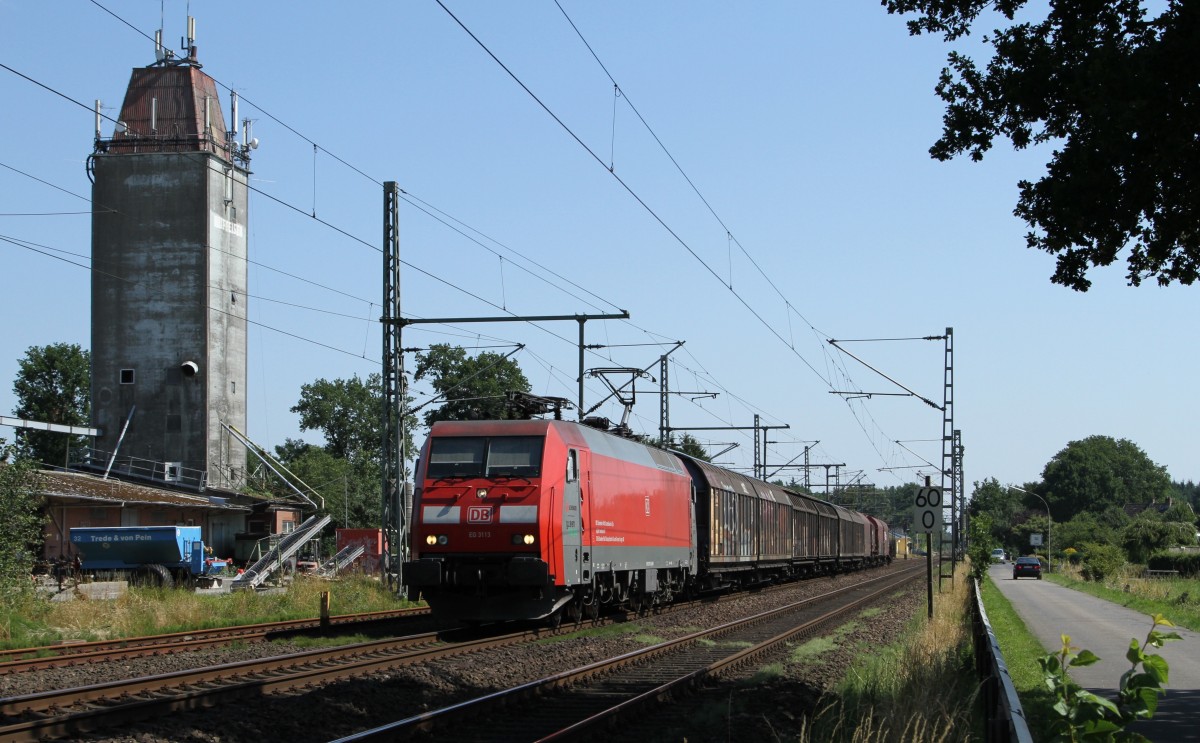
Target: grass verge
1178	599
922	687
1021	651
36	620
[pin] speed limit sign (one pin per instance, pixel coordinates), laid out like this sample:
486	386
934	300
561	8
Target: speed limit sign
927	510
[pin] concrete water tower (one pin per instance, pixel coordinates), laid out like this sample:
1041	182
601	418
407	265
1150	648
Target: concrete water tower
169	279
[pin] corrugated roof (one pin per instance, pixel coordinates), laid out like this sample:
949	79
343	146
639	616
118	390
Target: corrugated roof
165	111
76	485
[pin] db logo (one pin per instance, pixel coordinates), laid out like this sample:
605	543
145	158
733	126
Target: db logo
479	515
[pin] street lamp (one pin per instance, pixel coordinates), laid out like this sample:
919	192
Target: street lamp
1049	524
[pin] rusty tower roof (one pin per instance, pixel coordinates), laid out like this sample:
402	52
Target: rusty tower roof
170	108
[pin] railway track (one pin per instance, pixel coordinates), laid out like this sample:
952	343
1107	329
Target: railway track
70	654
67	712
72	712
574	704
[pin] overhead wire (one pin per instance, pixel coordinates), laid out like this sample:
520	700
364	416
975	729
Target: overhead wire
316	146
729	233
412	199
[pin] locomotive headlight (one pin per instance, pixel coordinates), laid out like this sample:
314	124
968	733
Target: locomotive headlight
443	540
526	539
431	540
481	493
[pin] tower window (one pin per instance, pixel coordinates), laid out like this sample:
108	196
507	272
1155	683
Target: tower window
127	376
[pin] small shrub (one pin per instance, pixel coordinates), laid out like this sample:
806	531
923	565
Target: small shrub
1101	561
1086	716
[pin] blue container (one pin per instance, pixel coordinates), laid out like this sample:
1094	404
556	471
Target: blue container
127	547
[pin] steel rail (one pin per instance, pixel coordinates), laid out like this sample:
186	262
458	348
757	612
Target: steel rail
490	706
71	712
68	654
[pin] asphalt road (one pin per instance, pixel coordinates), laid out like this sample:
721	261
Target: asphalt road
1049	611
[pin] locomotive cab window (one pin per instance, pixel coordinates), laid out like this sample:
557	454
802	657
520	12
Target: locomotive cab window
503	456
514	456
572	465
456	457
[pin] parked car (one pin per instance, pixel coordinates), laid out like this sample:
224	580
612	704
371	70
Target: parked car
1030	567
998	555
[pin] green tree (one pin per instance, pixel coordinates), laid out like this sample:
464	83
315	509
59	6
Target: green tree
690	446
53	385
1027	524
473	387
1101	560
1101	472
349	412
1180	510
1188	492
981	542
349	486
347	471
21	521
1114	90
1084	528
1145	536
1000	505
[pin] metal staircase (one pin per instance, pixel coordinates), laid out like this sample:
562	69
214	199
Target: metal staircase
280	553
342	560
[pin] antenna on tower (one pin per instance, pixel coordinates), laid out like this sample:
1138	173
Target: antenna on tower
190	42
160	54
233	102
97	119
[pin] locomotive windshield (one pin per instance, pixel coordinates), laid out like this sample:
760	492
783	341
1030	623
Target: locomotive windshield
477	456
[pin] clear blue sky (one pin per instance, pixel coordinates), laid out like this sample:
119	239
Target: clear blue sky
805	127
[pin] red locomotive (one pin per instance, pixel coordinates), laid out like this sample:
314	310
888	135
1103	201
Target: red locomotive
540	518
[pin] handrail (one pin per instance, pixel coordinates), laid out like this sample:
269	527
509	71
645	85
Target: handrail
1005	717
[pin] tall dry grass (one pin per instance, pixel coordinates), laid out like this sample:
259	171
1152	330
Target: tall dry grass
920	688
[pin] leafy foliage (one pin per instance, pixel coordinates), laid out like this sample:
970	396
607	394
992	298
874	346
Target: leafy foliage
692	447
1101	560
1086	716
1188	492
1029	523
349	486
1186	563
1181	511
53	385
347	470
1001	505
1145	536
1115	92
1084	528
347	411
20	522
474	387
1101	472
981	544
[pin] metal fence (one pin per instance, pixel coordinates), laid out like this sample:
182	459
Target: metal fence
1005	718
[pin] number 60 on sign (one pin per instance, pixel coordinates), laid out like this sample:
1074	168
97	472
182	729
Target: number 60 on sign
927	510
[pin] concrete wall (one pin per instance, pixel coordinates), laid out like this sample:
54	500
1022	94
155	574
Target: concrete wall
168	287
